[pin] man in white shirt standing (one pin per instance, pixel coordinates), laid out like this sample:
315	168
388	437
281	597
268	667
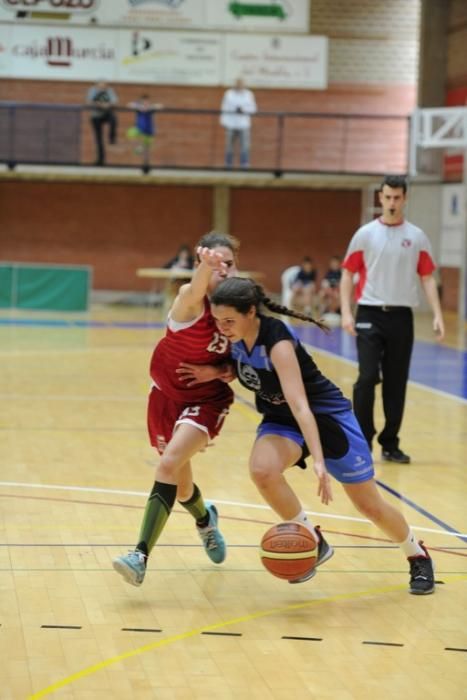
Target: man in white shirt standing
389	254
238	104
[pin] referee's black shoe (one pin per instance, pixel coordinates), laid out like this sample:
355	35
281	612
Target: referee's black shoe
395	456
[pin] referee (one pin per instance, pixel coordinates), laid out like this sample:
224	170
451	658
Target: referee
387	254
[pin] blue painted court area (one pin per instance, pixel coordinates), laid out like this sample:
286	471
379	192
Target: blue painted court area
435	366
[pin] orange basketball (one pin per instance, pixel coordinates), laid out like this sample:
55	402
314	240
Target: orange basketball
288	550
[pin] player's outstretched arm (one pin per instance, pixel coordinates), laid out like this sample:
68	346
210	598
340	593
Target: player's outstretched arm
189	301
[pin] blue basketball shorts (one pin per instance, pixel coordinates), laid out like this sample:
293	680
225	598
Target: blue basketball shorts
346	452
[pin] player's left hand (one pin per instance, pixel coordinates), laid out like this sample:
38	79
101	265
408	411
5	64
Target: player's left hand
324	485
212	258
197	374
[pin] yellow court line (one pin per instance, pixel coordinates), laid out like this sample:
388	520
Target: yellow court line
218	625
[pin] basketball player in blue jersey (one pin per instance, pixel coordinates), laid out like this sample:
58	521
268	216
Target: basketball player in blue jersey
304	414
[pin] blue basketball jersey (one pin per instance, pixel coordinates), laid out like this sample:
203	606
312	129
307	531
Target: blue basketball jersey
256	372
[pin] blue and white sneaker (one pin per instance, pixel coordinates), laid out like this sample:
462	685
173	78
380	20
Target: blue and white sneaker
325	552
211	537
131	566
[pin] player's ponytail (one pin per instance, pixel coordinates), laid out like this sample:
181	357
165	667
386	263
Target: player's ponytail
242	293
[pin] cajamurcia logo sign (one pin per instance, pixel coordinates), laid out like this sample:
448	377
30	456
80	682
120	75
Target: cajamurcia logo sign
60	51
75	6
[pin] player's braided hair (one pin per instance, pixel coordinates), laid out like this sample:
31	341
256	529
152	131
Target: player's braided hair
242	293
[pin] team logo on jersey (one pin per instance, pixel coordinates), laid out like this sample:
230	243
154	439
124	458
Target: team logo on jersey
359	461
406	243
249	376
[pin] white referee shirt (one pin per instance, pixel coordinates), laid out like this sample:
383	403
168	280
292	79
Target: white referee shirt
388	259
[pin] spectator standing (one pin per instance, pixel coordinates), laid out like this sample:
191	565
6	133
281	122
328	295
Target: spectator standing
144	129
388	254
103	98
238	104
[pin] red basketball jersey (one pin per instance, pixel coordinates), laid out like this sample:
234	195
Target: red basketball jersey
199	343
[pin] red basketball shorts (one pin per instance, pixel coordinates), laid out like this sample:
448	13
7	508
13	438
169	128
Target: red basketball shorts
164	415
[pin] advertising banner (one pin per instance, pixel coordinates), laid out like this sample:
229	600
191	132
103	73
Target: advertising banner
60	53
266	15
277	61
164	57
250	15
5	57
153	14
177	58
76	11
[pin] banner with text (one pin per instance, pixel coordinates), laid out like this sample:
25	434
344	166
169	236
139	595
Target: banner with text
250	15
58	53
175	58
164	57
277	61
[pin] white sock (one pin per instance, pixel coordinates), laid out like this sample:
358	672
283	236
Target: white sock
301	517
411	547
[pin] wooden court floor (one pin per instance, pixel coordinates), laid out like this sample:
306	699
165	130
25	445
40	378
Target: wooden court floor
76	468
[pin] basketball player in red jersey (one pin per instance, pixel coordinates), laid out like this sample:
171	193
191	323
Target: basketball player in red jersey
182	419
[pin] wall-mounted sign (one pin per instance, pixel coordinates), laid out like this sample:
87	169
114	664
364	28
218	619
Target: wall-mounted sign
229	15
47	9
177	58
277	61
63	52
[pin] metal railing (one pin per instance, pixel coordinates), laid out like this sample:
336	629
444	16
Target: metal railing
281	142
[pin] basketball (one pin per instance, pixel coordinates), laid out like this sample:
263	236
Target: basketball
288	550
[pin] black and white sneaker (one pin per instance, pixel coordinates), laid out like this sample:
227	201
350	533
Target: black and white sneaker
325	552
422	576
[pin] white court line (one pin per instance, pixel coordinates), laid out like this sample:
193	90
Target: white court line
144	494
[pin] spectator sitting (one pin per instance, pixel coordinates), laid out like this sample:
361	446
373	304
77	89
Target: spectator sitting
304	286
183	259
144	128
329	298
